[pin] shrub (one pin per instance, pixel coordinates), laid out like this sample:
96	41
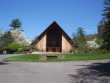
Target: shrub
99	42
104	51
14	47
30	47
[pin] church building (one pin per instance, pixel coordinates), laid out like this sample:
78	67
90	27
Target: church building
54	39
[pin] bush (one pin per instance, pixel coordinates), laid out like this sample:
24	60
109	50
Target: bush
99	42
30	47
14	47
104	51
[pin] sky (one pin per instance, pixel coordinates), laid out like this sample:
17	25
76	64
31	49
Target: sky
37	15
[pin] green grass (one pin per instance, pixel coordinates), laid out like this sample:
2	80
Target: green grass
68	57
27	58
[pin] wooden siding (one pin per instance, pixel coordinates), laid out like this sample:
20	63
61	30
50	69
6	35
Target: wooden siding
41	45
66	46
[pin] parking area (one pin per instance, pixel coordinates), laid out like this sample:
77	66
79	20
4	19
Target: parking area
43	72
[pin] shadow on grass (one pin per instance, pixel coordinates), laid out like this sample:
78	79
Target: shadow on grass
95	73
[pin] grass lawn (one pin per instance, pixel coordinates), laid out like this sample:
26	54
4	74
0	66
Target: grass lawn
68	57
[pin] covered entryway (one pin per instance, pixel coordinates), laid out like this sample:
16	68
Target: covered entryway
54	40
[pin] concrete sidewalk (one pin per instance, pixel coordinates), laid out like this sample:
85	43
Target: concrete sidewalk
50	53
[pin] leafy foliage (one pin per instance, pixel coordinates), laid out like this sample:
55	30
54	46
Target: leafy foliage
14	40
99	42
16	24
80	40
15	46
91	37
30	47
104	27
0	32
106	35
100	28
107	9
5	39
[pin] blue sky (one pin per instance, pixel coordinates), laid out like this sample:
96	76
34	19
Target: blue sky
37	15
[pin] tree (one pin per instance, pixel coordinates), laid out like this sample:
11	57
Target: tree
106	26
81	35
0	32
106	36
16	24
5	39
80	40
107	9
100	28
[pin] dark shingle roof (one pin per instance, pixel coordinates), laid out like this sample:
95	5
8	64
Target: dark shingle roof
54	24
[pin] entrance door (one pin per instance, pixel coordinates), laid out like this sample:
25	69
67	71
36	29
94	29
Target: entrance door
54	38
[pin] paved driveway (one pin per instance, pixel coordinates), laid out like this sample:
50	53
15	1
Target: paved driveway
50	72
2	56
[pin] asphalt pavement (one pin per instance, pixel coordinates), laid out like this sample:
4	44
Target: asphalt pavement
50	72
2	56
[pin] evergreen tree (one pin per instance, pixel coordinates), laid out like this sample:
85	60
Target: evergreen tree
106	35
100	28
16	24
106	9
81	35
106	26
0	32
5	39
80	40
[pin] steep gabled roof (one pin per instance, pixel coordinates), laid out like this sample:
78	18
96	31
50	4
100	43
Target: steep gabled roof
55	25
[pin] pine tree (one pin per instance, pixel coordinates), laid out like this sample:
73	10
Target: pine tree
80	40
106	26
107	9
106	35
81	35
16	24
100	28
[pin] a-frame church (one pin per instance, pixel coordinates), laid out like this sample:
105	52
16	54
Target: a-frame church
54	39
